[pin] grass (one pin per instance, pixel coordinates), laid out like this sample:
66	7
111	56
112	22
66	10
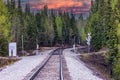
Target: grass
97	60
4	61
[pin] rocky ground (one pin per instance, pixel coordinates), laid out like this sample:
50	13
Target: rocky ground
79	66
78	69
21	68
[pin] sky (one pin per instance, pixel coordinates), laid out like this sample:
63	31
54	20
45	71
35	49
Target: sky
76	6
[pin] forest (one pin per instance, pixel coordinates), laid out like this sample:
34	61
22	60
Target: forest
46	27
104	25
50	28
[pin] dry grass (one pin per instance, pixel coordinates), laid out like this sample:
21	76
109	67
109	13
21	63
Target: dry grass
47	48
97	60
4	61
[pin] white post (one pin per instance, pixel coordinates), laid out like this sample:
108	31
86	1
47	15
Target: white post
74	48
79	41
37	46
88	42
22	44
74	45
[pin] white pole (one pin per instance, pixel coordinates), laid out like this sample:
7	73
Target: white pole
88	42
74	45
22	43
37	46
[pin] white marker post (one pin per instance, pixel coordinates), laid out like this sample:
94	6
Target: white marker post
22	44
13	49
88	41
37	48
74	46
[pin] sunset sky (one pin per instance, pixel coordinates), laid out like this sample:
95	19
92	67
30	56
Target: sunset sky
76	6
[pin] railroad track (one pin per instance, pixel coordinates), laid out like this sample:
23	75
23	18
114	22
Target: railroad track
51	68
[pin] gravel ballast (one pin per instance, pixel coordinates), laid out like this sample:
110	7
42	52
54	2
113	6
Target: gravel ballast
77	69
21	68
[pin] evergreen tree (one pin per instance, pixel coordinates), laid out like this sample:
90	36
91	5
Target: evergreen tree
45	10
27	8
111	36
4	28
103	29
58	21
19	8
53	17
80	28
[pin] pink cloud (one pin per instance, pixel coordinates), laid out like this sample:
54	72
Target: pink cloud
75	5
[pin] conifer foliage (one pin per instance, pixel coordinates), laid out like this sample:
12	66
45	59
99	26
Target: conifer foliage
44	27
103	28
4	28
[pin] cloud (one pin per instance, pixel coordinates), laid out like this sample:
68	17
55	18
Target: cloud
77	6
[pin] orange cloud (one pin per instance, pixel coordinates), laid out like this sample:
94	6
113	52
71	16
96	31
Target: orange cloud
57	5
75	5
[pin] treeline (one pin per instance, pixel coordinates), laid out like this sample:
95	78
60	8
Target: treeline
45	27
5	26
104	25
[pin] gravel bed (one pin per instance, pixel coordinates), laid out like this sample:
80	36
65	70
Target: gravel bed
66	74
50	70
77	69
21	68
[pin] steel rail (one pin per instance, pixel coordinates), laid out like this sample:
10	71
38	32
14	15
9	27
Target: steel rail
61	66
32	77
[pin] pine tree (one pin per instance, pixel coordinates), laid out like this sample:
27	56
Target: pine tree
4	28
112	39
27	8
19	8
80	27
53	17
13	6
45	10
58	21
